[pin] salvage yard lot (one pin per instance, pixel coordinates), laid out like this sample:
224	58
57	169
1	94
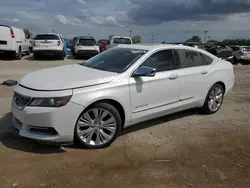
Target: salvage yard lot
186	149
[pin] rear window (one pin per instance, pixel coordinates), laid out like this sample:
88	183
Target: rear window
246	49
87	42
46	37
121	41
102	41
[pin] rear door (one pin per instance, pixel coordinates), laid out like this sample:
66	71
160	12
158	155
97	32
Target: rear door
47	41
88	44
6	40
194	68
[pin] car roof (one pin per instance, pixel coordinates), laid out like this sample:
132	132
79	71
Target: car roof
85	37
116	36
152	47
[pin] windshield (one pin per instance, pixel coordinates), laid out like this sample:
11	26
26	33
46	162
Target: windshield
115	60
121	40
102	41
246	49
46	37
87	42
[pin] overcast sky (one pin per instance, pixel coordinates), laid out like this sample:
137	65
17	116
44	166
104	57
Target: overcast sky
170	20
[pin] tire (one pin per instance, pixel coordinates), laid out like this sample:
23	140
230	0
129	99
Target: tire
213	98
61	56
234	61
97	126
19	54
28	52
35	56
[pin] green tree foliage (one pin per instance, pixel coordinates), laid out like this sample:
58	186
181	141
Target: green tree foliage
136	39
243	42
194	39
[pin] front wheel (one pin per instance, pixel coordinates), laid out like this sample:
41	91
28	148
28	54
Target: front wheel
98	126
214	99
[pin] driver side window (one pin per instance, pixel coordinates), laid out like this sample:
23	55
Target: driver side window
162	61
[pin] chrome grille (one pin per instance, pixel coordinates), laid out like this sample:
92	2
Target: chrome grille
17	123
21	100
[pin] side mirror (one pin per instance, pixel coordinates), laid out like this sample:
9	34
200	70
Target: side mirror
144	71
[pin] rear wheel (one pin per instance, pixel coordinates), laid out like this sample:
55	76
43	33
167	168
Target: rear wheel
214	99
61	56
98	126
19	54
28	52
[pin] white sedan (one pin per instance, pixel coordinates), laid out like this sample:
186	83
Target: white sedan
91	103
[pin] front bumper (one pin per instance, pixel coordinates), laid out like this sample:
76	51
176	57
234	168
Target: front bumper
87	53
47	124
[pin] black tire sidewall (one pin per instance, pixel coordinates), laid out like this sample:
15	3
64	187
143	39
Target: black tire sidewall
117	117
205	107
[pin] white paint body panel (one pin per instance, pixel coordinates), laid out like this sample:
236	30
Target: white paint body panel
13	44
142	98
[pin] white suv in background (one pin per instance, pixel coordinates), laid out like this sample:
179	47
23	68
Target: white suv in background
116	40
13	41
86	46
48	44
241	53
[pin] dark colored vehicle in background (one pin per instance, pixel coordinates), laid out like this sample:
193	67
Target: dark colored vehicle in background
74	40
195	45
102	43
69	43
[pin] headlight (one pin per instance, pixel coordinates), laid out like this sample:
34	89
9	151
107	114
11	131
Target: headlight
50	102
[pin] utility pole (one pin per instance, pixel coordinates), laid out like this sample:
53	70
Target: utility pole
205	36
130	33
152	38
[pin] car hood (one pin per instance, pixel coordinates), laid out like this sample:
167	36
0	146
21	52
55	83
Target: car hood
66	77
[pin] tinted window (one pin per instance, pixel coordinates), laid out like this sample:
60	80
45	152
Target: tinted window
87	42
121	41
206	59
246	49
115	59
190	58
102	42
46	37
235	48
161	61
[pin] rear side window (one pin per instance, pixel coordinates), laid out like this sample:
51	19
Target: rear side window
206	59
189	58
162	61
87	42
46	37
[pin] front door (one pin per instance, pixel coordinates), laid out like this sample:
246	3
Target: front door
153	95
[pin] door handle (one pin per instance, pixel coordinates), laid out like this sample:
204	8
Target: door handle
173	76
204	72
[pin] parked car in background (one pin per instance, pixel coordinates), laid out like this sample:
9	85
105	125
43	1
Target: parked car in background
49	44
92	102
86	46
102	43
13	42
69	43
195	45
241	53
73	45
115	40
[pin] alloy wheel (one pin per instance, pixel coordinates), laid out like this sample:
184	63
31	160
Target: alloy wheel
215	99
96	127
